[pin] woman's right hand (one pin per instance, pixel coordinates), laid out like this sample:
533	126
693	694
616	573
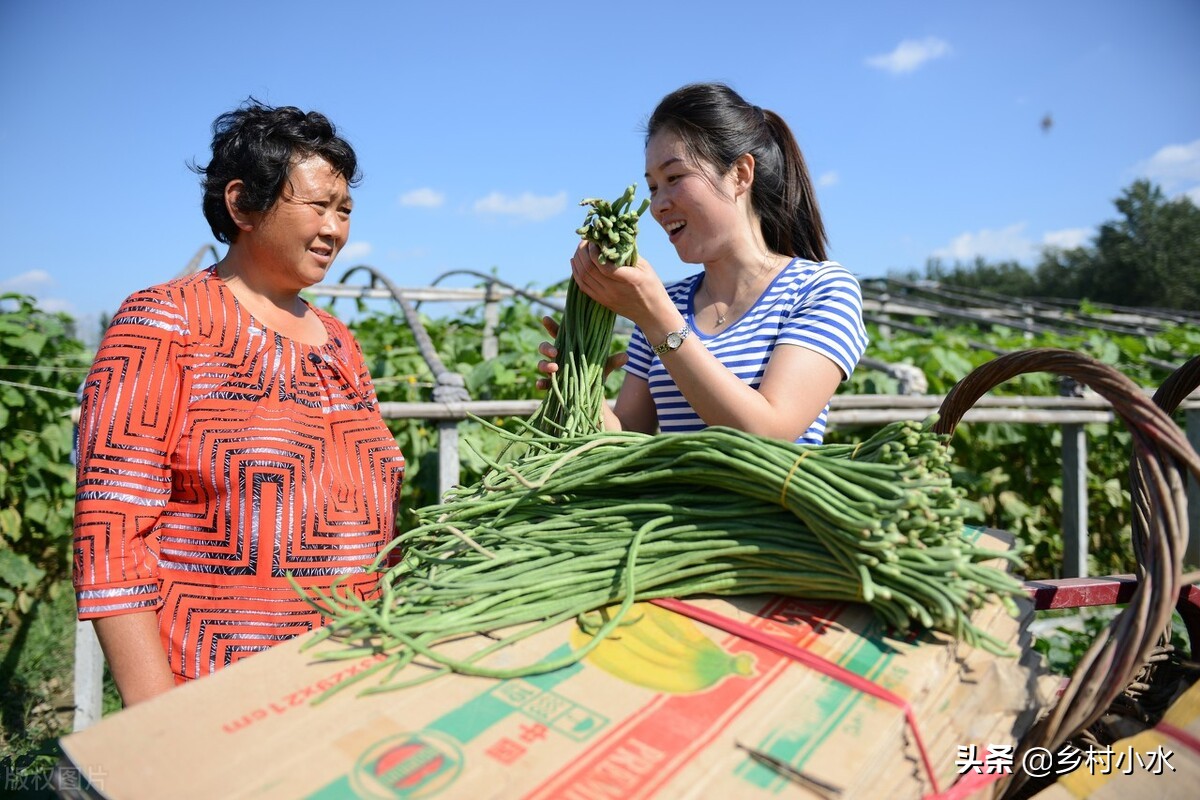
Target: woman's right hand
548	365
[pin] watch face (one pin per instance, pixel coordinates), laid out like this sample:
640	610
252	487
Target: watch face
673	341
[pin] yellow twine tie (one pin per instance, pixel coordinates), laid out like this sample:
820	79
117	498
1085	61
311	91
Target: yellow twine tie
855	453
788	480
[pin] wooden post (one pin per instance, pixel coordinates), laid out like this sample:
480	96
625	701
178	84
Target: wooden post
89	676
491	319
1191	555
1074	500
448	466
885	330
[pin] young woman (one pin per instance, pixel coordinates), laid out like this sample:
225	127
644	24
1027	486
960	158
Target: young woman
230	435
760	339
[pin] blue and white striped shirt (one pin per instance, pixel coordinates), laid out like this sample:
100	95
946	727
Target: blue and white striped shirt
809	304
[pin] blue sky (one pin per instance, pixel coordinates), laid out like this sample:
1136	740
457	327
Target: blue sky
480	126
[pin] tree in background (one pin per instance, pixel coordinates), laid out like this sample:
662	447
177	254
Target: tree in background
1060	273
1003	277
1150	257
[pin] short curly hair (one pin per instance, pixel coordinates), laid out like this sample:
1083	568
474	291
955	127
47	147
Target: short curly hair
259	144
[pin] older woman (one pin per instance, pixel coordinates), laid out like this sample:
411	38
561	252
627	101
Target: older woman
230	435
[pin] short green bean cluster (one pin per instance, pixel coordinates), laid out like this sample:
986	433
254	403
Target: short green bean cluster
577	523
574	402
613	227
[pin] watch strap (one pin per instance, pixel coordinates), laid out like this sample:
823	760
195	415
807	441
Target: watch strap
679	335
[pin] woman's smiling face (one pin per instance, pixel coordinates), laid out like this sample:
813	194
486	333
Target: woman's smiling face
693	204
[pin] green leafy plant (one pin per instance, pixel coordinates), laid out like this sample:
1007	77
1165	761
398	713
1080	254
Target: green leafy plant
41	366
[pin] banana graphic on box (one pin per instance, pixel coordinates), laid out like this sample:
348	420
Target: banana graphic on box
660	650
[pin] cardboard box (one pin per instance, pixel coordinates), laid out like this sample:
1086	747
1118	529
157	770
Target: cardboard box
594	730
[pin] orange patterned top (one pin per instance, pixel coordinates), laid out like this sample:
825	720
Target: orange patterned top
216	457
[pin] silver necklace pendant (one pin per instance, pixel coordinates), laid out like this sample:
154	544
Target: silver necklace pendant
720	316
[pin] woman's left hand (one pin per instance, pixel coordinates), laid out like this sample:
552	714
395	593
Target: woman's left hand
635	293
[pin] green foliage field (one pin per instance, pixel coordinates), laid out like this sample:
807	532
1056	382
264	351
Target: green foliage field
41	366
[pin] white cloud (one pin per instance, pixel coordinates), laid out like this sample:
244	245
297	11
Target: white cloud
55	304
355	251
910	54
527	205
1194	194
37	283
423	198
1067	239
828	179
1007	244
1176	168
27	281
1175	162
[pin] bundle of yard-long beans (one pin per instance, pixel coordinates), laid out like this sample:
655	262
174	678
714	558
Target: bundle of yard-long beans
581	522
573	404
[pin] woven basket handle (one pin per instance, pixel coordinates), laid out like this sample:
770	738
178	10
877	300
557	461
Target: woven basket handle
1161	455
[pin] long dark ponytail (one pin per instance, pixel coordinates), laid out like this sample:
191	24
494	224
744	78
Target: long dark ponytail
717	126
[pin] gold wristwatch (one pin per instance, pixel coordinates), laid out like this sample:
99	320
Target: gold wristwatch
674	339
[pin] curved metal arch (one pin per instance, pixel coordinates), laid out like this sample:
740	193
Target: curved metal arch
449	386
492	279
